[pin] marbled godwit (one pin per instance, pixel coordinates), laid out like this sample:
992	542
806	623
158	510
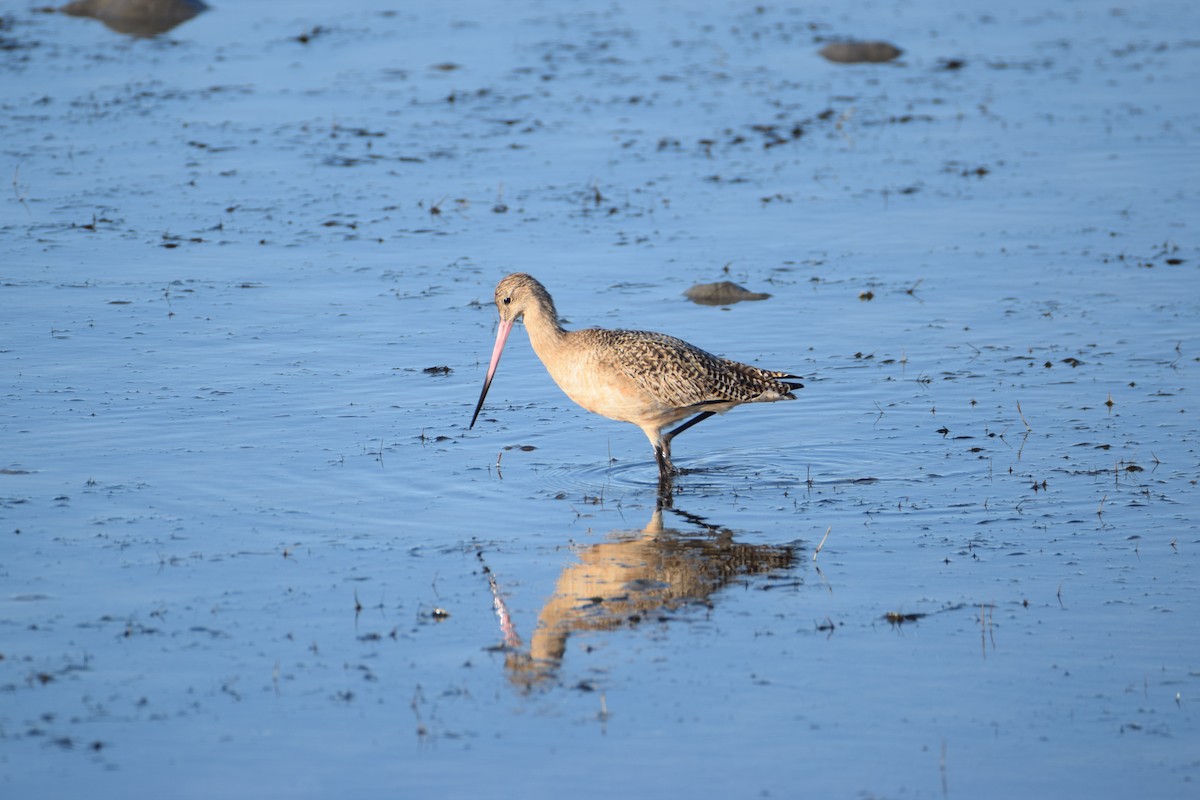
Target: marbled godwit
650	379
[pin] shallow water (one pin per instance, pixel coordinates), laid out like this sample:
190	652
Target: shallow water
253	549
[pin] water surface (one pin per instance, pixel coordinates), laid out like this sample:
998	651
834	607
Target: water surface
252	548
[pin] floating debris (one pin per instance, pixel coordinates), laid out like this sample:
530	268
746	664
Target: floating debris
721	294
137	17
308	36
860	52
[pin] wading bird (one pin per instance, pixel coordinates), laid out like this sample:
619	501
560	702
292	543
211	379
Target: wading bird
650	379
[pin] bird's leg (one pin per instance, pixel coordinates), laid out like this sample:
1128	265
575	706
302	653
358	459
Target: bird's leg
666	492
667	437
662	454
666	472
662	445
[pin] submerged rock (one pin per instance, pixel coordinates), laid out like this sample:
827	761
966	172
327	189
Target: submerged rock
721	294
860	52
137	17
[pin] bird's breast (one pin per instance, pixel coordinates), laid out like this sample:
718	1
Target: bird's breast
601	390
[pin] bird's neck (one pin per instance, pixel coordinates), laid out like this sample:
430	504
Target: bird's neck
545	333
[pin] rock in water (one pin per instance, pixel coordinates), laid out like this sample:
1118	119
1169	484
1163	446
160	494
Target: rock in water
137	17
721	294
860	52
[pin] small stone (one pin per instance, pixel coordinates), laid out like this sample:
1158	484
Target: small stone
860	52
721	294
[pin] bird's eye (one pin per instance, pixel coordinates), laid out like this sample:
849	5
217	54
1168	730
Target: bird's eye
507	300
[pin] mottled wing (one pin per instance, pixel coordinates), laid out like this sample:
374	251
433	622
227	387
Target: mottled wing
681	375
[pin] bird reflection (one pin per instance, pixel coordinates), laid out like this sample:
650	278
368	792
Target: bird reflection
632	576
137	17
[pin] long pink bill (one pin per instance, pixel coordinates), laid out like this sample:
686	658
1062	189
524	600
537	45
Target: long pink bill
501	338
